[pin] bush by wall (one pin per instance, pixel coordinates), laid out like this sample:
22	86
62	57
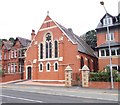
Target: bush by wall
104	76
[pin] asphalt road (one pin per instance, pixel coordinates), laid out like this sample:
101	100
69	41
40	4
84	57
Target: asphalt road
14	96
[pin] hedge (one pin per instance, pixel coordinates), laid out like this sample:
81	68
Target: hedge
104	76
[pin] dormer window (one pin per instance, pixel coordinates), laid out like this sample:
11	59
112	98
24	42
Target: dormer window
107	21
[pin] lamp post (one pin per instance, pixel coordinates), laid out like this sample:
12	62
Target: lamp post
111	74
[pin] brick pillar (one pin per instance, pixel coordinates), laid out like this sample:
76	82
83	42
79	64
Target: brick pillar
68	76
85	76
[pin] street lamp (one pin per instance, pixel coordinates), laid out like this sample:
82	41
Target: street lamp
112	85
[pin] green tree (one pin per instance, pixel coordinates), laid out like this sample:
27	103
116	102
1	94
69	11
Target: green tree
12	39
90	38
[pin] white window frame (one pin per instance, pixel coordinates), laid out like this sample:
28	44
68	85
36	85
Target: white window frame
109	21
42	67
57	66
54	49
110	34
49	67
110	50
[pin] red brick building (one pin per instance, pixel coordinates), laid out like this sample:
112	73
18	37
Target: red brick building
103	39
52	49
13	58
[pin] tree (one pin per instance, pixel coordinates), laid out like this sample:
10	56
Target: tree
90	38
12	39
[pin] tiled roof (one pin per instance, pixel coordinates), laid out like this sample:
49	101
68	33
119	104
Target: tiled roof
115	20
82	46
24	42
7	44
112	44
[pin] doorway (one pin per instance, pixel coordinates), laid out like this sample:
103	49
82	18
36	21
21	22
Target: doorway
29	73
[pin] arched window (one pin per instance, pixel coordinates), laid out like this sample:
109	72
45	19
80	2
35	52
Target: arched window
48	46
56	66
82	62
50	50
56	48
41	51
46	49
48	66
41	67
89	63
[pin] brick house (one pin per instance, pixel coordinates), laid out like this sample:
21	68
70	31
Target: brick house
52	49
102	41
13	58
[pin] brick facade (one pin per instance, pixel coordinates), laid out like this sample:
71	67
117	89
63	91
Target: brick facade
103	42
68	54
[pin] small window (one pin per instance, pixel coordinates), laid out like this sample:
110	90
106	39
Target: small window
107	21
41	51
102	53
107	52
118	51
89	63
82	62
113	52
56	66
41	67
48	66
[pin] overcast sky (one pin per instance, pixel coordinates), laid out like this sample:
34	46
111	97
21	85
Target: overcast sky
19	17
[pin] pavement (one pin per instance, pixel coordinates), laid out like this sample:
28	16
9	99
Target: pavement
60	89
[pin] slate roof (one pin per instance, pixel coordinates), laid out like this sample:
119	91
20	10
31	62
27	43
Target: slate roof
112	44
8	44
82	45
115	19
24	42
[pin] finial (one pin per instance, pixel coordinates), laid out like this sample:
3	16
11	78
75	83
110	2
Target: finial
47	12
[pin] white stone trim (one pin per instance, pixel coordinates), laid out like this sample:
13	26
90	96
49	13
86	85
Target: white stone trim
48	59
47	21
43	29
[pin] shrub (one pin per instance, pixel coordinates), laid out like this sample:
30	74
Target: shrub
104	76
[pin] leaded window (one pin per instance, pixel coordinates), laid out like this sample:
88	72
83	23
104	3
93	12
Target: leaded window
56	49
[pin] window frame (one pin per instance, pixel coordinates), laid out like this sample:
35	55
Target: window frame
40	70
57	66
47	66
111	35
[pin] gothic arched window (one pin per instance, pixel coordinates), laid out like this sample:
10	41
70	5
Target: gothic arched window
82	62
56	48
48	46
41	51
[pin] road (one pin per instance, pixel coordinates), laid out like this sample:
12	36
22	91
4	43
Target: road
14	96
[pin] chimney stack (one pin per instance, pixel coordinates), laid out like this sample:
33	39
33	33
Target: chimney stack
32	34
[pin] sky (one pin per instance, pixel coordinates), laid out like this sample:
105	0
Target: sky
19	17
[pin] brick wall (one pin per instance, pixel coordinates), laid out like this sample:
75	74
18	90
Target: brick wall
10	77
103	85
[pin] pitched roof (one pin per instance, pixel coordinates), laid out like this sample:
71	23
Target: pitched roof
7	44
114	19
24	42
82	45
112	44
